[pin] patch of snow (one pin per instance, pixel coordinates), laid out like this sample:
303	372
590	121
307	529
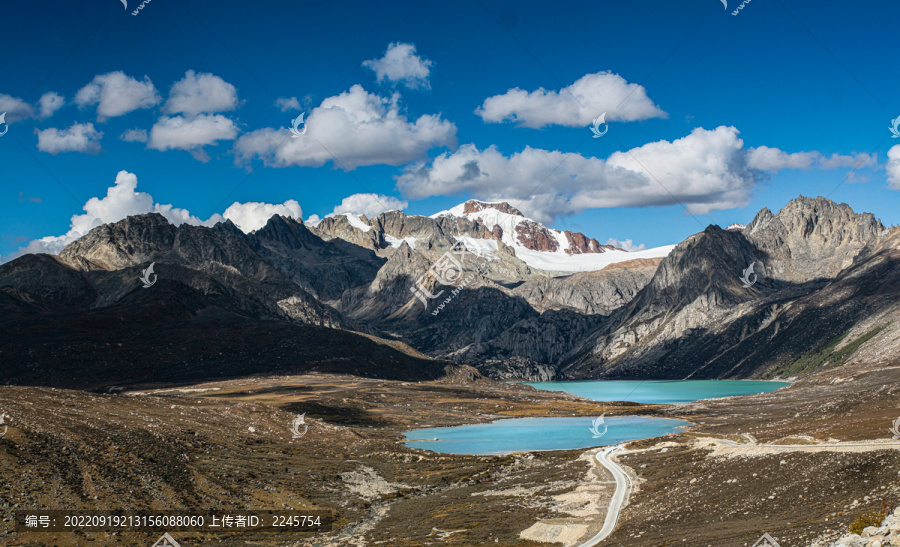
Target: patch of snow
492	217
485	248
562	262
561	240
396	242
357	222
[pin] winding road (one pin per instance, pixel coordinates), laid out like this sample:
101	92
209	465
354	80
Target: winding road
619	498
623	483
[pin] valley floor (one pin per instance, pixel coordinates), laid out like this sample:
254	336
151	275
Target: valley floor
750	464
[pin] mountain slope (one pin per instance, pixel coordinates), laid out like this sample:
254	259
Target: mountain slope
324	269
174	333
696	319
200	256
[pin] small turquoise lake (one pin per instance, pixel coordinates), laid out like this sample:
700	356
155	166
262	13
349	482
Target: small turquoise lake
526	434
658	391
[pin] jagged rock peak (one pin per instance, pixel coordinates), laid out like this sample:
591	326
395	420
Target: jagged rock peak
509	225
812	238
474	206
815	214
285	230
120	244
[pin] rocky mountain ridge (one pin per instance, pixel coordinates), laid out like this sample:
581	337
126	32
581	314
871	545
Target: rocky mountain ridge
698	318
741	302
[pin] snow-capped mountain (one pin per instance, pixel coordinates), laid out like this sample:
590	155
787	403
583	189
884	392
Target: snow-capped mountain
484	227
542	247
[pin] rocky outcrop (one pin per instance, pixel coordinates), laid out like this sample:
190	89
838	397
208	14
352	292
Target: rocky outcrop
580	244
325	269
883	535
811	238
474	206
517	368
388	295
590	292
536	237
340	227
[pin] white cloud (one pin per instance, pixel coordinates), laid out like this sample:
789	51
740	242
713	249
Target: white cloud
180	133
81	137
16	108
116	94
49	103
254	215
893	167
856	161
627	244
357	128
705	170
370	205
202	93
573	106
287	103
121	200
773	159
135	135
401	64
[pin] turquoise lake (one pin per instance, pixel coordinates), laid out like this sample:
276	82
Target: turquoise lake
659	391
525	434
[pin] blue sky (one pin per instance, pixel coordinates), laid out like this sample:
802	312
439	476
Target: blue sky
724	114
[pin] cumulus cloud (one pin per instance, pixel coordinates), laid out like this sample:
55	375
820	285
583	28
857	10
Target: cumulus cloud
49	103
202	93
254	215
15	107
572	106
191	134
627	244
893	167
121	200
401	64
773	159
135	135
287	103
81	137
706	170
352	129
370	205
116	94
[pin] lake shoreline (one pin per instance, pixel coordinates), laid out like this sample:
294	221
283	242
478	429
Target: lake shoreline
522	435
658	392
